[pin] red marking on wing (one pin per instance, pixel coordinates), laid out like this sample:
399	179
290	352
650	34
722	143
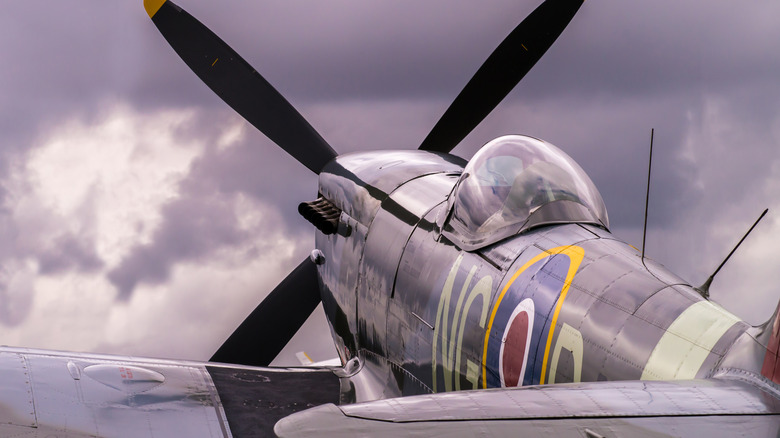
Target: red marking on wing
771	367
514	350
125	373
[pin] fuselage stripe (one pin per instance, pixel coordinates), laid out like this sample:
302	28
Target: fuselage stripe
688	341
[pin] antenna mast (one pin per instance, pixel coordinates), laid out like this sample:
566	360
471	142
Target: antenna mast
647	195
704	289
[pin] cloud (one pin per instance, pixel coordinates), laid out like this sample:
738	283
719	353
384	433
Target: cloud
191	229
188	317
113	198
15	300
69	252
205	299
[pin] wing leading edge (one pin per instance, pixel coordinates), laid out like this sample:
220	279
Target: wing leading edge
708	407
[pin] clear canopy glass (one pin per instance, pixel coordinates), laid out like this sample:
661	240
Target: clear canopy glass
515	183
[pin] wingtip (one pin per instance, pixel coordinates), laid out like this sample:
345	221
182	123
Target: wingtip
152	6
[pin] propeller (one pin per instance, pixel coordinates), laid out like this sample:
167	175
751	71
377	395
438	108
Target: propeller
503	69
263	334
273	323
239	85
278	317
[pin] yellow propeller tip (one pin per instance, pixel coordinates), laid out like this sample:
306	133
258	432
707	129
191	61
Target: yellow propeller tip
152	6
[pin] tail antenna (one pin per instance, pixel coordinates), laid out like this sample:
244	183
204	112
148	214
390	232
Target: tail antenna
704	289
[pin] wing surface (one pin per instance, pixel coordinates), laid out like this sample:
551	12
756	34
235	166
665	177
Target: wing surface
709	408
47	394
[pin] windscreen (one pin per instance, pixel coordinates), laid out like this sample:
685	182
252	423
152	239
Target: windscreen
511	180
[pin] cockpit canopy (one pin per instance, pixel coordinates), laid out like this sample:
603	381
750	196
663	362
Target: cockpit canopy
515	183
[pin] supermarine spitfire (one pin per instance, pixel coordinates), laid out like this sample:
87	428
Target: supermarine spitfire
479	298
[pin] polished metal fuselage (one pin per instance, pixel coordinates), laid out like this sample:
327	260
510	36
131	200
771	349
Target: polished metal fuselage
560	303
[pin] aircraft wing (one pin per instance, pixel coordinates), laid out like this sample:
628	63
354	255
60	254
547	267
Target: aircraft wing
739	405
45	394
50	394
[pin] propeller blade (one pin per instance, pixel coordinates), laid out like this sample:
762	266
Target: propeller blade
263	334
239	85
505	67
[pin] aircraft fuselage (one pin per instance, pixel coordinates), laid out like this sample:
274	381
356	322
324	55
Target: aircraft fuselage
557	303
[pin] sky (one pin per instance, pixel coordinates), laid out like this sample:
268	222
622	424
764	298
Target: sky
140	216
